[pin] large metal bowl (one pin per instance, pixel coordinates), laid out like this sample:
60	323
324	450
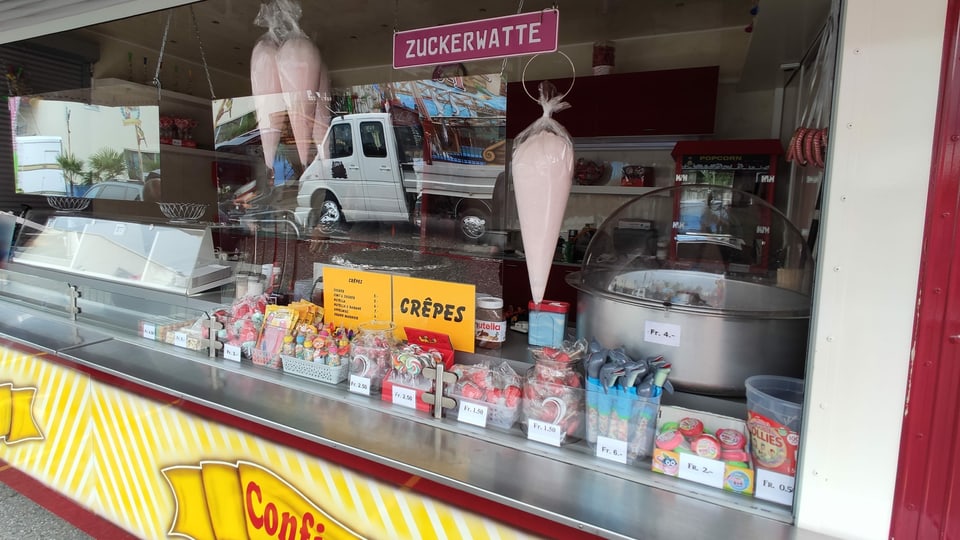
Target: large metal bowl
714	345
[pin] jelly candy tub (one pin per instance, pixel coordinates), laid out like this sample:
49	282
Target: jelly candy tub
774	409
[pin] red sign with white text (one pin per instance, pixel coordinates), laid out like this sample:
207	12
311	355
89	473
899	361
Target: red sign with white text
513	35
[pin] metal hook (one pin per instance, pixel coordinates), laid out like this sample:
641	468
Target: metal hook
523	76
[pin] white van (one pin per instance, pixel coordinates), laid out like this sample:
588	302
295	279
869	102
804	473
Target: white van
36	165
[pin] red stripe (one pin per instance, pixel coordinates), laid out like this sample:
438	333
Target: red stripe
63	507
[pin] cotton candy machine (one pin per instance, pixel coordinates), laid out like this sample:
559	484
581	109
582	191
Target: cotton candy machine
723	294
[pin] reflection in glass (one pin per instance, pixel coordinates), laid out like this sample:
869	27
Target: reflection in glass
421	157
67	144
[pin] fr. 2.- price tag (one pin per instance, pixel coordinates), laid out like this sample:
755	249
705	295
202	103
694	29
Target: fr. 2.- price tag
612	449
180	339
776	487
543	432
404	397
701	470
149	331
360	385
231	352
473	413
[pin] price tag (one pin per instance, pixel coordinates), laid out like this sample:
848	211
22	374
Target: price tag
701	470
149	331
119	229
612	449
180	339
473	413
543	432
360	385
405	397
774	486
661	333
231	352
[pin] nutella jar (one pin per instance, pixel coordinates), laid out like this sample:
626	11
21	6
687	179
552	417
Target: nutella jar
491	328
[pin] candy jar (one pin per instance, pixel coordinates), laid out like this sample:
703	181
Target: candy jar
307	352
370	351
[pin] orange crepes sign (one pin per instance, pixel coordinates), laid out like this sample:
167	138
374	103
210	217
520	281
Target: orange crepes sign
218	500
16	414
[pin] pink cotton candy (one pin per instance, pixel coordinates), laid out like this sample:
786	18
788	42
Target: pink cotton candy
267	97
298	62
542	177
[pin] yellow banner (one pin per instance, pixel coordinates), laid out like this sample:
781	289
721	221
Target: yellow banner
16	415
244	501
442	306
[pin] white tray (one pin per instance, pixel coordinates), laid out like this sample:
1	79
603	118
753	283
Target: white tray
315	370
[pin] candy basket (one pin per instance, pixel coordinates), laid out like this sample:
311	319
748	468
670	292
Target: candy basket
315	370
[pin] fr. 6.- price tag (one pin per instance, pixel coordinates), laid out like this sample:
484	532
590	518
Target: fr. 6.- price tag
612	449
360	385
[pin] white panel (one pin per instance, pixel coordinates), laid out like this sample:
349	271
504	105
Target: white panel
879	165
23	19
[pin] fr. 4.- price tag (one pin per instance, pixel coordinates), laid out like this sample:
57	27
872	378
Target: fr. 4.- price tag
544	432
180	339
612	449
404	397
360	385
473	413
776	487
231	352
701	470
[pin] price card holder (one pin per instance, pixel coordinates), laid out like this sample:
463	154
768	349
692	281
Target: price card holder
774	486
473	413
702	470
360	385
544	432
404	397
180	339
149	331
612	449
231	352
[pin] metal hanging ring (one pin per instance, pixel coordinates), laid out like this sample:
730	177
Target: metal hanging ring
523	76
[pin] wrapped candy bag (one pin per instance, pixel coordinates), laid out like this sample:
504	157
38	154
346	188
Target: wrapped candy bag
542	177
265	83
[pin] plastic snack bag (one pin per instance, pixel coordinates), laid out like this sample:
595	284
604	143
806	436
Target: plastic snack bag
542	177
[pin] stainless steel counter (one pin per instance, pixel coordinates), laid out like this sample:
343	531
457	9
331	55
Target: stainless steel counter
561	485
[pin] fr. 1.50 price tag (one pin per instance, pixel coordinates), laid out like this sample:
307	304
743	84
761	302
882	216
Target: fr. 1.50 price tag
473	413
543	432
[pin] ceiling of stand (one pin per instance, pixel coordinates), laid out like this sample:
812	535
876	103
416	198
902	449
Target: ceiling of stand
357	33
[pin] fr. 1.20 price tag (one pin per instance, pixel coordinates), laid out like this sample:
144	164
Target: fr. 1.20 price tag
360	385
543	432
473	413
149	331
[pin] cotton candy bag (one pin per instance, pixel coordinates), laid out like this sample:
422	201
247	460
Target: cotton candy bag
542	177
265	83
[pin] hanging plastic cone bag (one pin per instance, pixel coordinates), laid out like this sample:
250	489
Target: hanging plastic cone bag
321	119
265	83
299	64
542	177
